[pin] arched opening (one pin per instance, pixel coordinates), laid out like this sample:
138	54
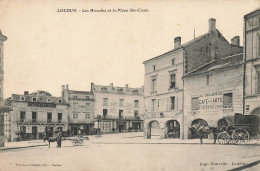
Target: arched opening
255	121
173	129
153	129
193	133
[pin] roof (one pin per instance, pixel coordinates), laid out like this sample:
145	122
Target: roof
42	98
215	65
182	46
257	10
119	90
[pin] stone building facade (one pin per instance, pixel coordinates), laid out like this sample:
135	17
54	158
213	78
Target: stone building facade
31	114
80	110
213	92
118	109
163	84
252	63
2	39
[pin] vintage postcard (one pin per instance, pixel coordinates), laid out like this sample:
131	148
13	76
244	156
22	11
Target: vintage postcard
129	85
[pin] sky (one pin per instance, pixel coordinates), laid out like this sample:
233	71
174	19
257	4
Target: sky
46	49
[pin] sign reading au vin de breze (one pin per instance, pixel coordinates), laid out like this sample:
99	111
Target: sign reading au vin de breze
211	101
37	104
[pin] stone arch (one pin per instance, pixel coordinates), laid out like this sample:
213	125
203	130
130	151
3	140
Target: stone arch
149	127
172	129
256	111
192	133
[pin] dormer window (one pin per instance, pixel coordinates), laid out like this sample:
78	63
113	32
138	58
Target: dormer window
104	88
34	99
135	91
22	98
120	90
49	100
60	101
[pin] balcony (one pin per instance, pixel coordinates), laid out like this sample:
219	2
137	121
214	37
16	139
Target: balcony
121	117
22	120
59	121
34	120
49	120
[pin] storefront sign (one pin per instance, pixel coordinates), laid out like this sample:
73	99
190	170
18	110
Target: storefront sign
37	104
211	101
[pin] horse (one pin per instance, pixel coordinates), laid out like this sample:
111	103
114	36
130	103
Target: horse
201	130
50	139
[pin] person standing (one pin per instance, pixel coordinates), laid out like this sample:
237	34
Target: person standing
59	138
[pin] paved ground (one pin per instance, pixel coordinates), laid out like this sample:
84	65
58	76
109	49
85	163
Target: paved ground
130	151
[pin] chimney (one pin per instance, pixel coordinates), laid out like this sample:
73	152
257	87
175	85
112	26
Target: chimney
91	86
26	92
235	41
212	25
126	87
177	42
62	91
67	86
111	85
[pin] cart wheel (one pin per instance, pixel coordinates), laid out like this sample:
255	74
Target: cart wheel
75	143
240	136
223	138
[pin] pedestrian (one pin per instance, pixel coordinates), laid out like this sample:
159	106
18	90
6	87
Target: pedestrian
59	138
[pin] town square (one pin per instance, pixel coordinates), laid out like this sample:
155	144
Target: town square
130	85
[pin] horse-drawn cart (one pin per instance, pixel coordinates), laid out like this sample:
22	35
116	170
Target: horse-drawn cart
239	129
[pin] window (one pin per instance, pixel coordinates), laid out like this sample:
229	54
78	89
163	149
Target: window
227	100
259	44
87	106
59	117
105	101
75	97
49	100
154	67
173	81
75	105
153	104
75	115
207	79
172	103
195	103
104	113
87	116
153	85
22	98
49	117
136	103
173	61
136	113
34	99
22	116
121	102
121	114
59	101
34	116
258	83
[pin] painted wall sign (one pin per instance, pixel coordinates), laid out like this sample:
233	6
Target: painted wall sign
37	104
211	101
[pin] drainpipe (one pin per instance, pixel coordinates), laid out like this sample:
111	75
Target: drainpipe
183	66
244	67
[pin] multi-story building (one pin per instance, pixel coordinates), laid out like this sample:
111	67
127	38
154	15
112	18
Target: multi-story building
118	108
2	39
252	63
163	84
212	92
31	114
80	110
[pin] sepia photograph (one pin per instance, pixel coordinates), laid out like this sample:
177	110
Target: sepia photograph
130	85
